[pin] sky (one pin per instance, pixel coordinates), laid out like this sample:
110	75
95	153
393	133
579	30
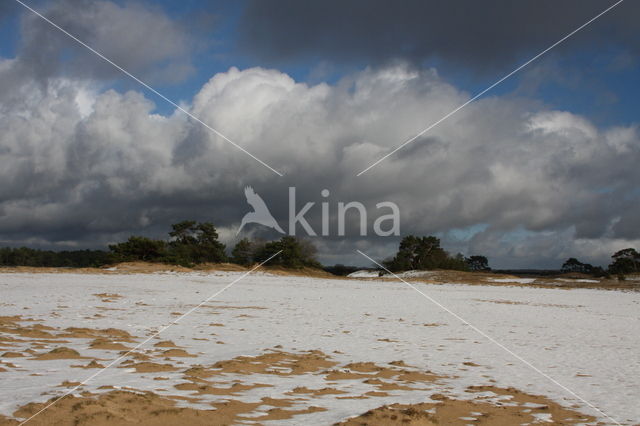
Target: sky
541	168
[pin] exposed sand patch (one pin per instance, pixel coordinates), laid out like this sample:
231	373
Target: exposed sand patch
12	355
12	325
165	344
106	344
316	392
59	353
177	353
276	362
520	409
91	333
39	335
138	356
234	389
282	414
128	408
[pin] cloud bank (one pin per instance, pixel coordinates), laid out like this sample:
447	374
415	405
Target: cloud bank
88	167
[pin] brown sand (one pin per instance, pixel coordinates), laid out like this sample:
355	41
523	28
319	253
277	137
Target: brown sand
316	392
12	355
106	344
128	408
461	412
276	362
138	356
59	353
12	325
177	353
235	389
91	333
165	344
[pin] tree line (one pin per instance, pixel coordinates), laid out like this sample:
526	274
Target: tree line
425	253
189	243
24	256
624	262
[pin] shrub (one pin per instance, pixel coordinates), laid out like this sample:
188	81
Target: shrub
625	261
477	263
294	253
138	248
242	253
195	243
424	253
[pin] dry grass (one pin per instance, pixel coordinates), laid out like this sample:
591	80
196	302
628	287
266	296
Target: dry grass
149	268
485	278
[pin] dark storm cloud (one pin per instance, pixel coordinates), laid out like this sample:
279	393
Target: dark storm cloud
139	38
481	34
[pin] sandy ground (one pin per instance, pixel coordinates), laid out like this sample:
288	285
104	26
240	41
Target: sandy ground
277	349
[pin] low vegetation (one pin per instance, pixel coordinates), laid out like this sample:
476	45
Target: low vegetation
24	256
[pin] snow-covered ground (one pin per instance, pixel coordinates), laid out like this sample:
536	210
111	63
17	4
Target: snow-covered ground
366	273
587	340
514	280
